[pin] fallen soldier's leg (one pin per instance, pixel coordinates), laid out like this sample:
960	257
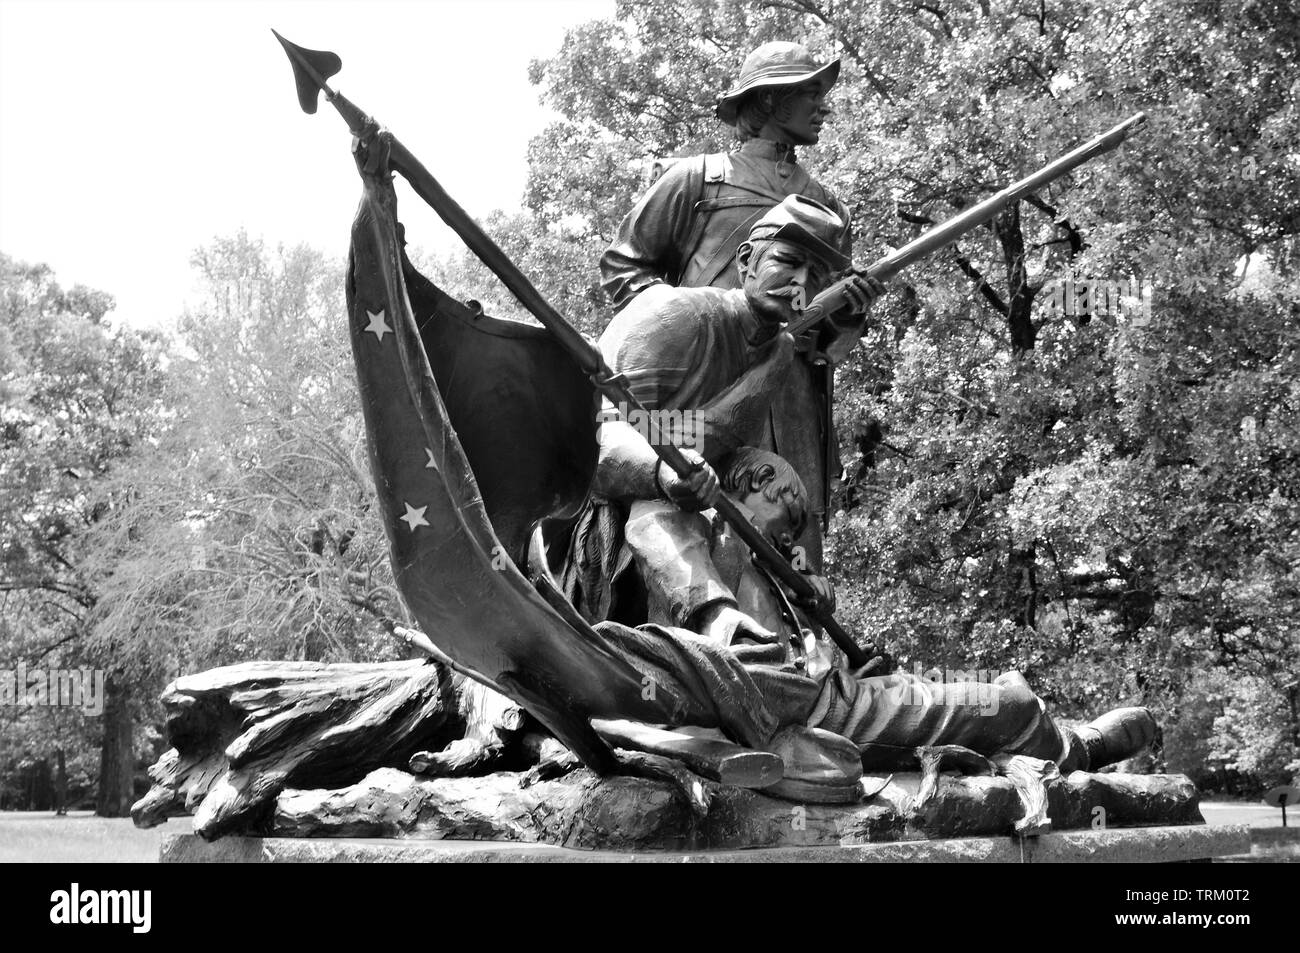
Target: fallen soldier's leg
1002	716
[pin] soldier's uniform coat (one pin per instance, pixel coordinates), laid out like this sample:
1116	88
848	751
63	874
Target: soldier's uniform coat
685	232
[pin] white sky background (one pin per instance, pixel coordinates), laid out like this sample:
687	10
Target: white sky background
131	133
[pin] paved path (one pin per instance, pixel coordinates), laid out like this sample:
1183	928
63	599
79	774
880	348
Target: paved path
1243	812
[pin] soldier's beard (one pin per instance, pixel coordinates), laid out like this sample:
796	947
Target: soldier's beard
780	305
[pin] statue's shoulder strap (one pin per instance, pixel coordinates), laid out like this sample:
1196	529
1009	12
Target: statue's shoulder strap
698	170
705	171
714	167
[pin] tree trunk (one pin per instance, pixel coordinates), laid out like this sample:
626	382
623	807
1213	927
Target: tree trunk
1022	586
60	782
1020	293
1293	702
40	789
116	758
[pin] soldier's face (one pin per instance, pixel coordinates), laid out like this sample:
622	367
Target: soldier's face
801	113
773	519
780	279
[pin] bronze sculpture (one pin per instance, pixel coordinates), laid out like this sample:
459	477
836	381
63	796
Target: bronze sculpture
447	519
723	354
685	230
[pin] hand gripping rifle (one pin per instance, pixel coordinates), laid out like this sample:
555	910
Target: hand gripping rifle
311	70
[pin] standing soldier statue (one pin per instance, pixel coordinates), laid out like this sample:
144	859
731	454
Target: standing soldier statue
685	231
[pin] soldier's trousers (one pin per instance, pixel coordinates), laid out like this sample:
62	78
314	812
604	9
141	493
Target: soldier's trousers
1001	715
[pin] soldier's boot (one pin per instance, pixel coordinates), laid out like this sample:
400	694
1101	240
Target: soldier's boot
1116	735
821	767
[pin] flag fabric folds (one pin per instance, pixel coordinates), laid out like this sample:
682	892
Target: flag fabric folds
476	431
522	410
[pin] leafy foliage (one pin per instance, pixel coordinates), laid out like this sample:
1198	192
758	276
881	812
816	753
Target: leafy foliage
79	398
254	535
1109	507
174	505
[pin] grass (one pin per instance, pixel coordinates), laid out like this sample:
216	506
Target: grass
79	837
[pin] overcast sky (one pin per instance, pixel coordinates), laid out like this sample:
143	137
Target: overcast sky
133	132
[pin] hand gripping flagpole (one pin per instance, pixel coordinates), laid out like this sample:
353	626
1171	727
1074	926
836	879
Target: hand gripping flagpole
311	70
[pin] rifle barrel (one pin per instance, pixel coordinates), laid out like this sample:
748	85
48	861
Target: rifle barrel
833	298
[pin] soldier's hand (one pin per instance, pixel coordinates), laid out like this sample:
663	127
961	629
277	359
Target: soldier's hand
371	149
698	492
728	625
849	323
825	593
861	293
876	665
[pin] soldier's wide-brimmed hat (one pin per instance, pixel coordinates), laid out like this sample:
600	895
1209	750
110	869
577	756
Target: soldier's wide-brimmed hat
807	223
779	63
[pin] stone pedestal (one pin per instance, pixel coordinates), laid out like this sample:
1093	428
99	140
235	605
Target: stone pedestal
583	811
1134	845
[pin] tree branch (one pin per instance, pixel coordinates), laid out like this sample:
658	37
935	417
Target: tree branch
808	6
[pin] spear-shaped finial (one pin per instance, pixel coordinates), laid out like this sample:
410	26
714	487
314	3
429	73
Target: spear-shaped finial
311	69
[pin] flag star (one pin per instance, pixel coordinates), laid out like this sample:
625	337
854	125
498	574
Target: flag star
414	517
432	464
377	325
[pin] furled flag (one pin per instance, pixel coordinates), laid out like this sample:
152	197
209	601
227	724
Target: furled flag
478	429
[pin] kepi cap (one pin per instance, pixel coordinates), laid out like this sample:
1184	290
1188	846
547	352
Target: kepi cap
807	223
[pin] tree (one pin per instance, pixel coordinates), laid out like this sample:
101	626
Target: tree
80	397
252	533
173	505
1107	505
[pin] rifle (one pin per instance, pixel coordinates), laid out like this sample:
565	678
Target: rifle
833	298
